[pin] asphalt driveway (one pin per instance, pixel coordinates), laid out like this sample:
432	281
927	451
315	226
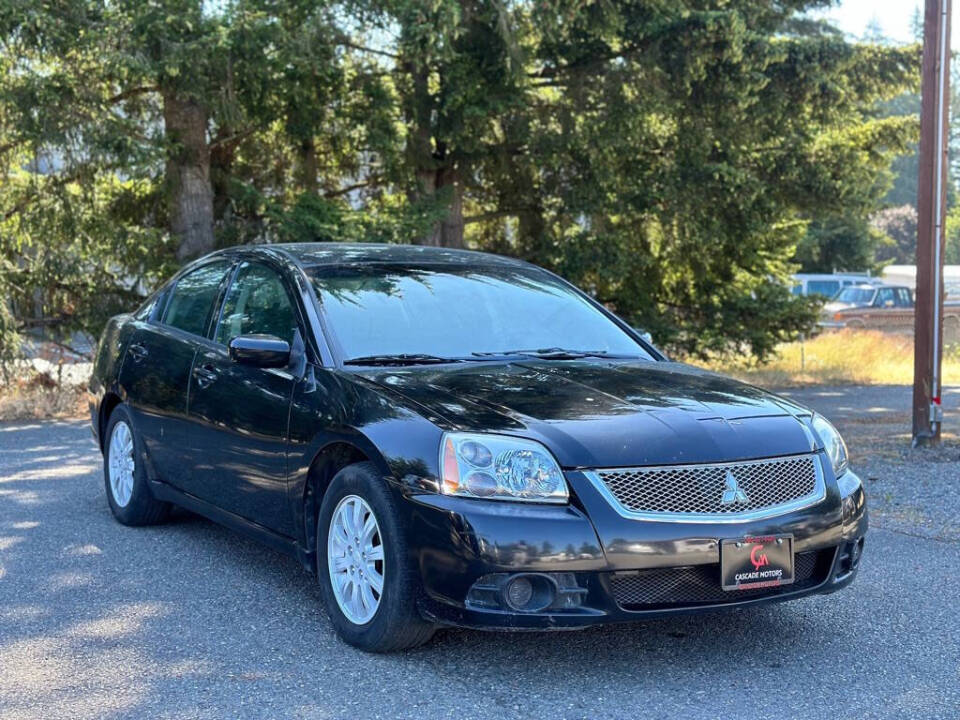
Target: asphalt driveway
188	620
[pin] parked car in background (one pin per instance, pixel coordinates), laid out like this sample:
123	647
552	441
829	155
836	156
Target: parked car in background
827	284
882	307
452	438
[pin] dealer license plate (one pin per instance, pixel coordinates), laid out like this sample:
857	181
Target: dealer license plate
752	562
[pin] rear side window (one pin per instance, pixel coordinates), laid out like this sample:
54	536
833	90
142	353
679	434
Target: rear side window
256	304
192	300
823	287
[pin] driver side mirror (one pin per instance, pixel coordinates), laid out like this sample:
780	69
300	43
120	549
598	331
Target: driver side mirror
265	351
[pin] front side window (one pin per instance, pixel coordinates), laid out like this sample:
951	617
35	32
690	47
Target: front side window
192	300
145	311
452	312
257	303
884	298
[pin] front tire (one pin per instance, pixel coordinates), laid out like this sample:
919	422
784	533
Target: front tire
366	578
128	493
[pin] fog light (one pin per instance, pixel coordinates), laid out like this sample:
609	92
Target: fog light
519	593
850	554
529	592
855	553
526	592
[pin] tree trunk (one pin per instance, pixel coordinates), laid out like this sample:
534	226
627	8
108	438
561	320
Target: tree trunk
189	191
449	231
451	227
222	151
437	172
308	166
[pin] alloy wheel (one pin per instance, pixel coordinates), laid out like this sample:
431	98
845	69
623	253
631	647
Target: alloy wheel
121	464
355	559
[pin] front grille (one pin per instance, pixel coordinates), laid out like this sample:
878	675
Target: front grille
750	488
700	584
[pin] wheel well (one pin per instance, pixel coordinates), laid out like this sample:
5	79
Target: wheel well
109	402
328	462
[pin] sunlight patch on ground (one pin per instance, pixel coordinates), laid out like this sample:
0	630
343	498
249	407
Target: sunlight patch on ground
69	581
8	541
124	622
82	550
25	525
51	473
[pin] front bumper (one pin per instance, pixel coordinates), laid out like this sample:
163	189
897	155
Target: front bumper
614	561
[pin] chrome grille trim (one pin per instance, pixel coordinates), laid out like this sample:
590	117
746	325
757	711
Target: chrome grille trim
644	493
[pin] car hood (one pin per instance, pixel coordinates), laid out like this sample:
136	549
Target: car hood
607	414
832	307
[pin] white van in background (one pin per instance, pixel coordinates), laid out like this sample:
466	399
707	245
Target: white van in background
907	275
829	284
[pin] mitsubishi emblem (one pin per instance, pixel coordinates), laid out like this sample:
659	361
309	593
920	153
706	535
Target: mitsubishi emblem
731	492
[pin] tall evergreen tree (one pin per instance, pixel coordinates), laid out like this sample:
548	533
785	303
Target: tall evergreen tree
668	156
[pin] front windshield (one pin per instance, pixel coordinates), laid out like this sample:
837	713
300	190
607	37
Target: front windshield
854	295
452	312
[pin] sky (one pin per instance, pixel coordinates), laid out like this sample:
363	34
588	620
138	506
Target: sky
892	16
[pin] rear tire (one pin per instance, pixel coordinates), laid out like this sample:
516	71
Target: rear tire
389	620
128	494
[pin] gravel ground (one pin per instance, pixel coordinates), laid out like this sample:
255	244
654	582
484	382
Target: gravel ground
188	620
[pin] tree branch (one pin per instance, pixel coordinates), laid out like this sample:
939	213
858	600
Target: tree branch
351	188
494	214
234	138
363	48
132	92
591	63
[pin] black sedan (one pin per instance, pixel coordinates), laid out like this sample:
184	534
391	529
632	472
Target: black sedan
453	438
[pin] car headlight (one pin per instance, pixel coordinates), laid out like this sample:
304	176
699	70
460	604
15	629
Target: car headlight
833	444
500	467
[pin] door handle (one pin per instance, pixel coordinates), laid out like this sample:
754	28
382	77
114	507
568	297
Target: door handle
138	352
205	374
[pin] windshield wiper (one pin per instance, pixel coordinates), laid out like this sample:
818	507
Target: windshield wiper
400	359
555	353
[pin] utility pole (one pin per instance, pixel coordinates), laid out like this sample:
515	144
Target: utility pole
931	210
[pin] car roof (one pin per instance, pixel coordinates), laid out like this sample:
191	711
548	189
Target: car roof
833	276
332	254
879	286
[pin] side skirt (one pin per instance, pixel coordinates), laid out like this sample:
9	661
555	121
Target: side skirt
282	543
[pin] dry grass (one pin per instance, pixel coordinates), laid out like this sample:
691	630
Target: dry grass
847	357
35	395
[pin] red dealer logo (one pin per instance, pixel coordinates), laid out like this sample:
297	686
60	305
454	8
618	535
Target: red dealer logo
758	558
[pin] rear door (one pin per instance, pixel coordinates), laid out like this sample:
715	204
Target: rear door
239	413
156	368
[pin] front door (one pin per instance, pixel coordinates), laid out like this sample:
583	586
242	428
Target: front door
239	413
